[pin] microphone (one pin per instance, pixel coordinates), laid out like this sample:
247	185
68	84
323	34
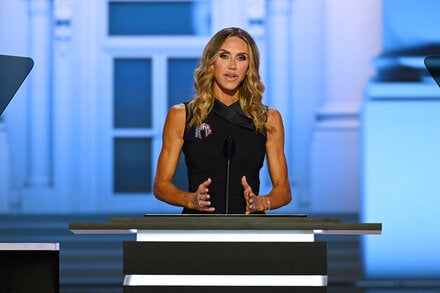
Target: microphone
228	153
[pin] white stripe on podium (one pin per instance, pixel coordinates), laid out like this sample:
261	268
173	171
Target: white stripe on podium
29	246
225	236
226	280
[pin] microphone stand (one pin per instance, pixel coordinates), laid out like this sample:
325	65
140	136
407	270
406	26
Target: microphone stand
228	156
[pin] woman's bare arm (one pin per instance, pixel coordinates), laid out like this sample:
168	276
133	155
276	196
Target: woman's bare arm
280	194
172	142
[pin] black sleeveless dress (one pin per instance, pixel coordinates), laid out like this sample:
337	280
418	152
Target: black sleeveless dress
225	133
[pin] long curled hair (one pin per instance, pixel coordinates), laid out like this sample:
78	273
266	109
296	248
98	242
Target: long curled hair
251	89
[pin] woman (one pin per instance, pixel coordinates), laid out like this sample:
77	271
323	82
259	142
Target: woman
225	132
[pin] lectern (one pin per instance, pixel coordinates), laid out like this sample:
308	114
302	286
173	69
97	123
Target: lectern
225	253
29	267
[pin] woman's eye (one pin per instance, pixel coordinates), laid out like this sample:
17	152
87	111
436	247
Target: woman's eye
241	58
223	56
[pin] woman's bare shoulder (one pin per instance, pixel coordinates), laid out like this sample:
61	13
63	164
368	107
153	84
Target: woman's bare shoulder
273	116
177	112
178	108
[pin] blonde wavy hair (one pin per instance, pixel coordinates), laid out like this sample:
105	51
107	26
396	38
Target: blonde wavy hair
251	89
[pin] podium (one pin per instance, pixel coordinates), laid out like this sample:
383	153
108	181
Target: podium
29	267
225	253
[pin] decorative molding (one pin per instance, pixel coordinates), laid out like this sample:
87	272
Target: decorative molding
414	91
338	116
63	14
256	13
342	110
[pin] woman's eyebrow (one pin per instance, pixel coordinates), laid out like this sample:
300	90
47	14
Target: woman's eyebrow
226	51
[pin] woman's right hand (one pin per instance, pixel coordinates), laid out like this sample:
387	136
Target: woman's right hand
201	201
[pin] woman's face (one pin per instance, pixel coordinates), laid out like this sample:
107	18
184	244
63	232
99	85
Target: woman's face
230	67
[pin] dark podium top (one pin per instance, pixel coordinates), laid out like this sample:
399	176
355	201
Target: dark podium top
130	225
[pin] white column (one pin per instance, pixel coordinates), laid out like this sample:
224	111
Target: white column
279	78
227	13
39	167
352	40
65	110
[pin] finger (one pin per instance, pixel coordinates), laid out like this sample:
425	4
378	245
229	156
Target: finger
203	187
250	208
246	187
206	206
248	193
206	183
244	183
202	202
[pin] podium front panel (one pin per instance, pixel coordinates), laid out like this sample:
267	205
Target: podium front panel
29	267
226	266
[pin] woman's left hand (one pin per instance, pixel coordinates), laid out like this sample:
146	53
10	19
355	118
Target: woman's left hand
250	197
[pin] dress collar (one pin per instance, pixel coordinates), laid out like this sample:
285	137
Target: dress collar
233	114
